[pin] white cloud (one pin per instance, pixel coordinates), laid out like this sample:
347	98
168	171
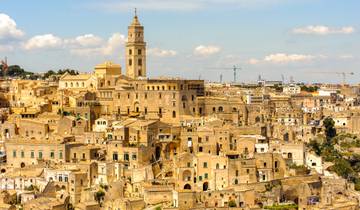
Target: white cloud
323	30
87	44
286	58
206	50
116	41
113	44
346	57
161	52
87	40
45	41
282	58
8	28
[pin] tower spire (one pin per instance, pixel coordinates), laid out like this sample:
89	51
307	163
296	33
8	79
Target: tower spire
135	19
135	49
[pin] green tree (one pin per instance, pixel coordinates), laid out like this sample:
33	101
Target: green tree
343	168
309	88
330	130
99	195
315	146
49	74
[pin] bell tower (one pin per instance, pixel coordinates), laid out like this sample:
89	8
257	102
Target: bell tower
135	55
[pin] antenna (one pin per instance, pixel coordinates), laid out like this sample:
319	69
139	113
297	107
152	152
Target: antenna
234	68
291	79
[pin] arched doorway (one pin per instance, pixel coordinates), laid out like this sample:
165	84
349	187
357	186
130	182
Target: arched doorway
187	187
205	186
157	153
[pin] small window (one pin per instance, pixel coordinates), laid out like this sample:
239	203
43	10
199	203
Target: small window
205	165
139	51
130	62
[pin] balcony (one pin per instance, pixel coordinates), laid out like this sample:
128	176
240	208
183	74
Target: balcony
165	137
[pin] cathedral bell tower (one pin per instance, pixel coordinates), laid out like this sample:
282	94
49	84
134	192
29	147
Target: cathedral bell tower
135	50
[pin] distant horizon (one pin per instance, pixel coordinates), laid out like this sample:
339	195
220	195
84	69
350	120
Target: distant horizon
185	38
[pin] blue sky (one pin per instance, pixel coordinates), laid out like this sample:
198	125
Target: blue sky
186	38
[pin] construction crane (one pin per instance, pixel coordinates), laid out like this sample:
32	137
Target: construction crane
234	69
342	74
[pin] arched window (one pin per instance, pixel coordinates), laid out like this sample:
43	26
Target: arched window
174	114
186	176
220	109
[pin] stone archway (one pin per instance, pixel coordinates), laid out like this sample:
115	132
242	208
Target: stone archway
187	187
